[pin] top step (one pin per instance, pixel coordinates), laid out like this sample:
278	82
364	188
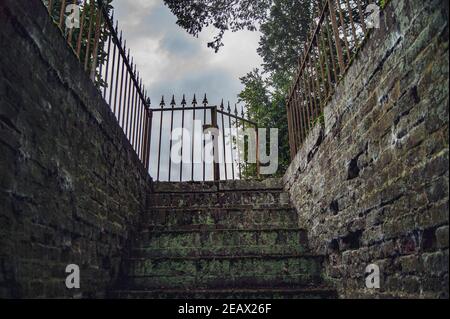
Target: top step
218	186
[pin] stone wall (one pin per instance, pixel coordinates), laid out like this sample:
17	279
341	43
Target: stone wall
71	187
372	184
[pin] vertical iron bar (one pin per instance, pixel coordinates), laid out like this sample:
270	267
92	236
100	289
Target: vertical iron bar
223	141
237	142
113	67
149	137
50	7
330	44
61	13
352	23
215	140
341	18
136	101
361	16
139	123
205	104
231	141
308	100
257	152
289	119
172	104
80	35
245	144
327	66
96	44
183	105
88	44
130	96
336	36
160	136
116	86
107	65
194	104
135	117
126	94
317	77
133	98
69	38
298	109
121	105
295	118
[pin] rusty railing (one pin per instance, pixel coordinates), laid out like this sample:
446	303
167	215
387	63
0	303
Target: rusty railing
103	54
337	34
229	159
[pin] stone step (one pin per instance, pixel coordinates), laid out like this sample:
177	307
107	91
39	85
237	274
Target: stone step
216	282
198	218
215	269
220	242
278	250
243	293
215	186
245	199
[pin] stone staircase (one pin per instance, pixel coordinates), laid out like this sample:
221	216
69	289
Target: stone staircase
232	239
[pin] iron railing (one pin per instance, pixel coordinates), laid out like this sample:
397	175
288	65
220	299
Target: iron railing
103	53
336	36
229	159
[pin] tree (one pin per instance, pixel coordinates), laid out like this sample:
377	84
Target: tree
86	8
234	15
284	34
285	27
266	106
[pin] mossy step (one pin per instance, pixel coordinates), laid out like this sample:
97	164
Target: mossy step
217	239
224	281
197	218
222	251
225	266
228	199
260	293
214	186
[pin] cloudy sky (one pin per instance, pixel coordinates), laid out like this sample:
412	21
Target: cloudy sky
173	62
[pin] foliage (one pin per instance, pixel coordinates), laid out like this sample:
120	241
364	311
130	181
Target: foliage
223	15
284	34
85	7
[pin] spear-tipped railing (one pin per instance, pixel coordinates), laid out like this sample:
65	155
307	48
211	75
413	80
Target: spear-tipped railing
103	53
336	36
199	126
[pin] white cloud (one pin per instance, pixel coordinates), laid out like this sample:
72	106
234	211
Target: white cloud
171	60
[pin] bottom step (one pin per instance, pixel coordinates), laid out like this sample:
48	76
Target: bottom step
260	293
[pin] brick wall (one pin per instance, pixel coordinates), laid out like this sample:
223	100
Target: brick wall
372	184
71	187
